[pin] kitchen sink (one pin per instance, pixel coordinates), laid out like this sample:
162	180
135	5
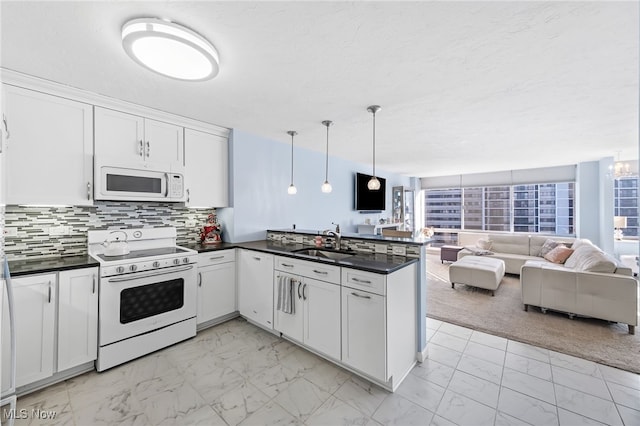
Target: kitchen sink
327	254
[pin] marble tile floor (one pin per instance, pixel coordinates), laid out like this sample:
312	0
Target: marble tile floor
237	374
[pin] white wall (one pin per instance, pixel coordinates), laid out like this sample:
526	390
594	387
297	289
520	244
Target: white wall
260	175
594	203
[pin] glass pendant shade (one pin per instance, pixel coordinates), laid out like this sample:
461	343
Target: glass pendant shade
292	190
326	186
374	183
170	49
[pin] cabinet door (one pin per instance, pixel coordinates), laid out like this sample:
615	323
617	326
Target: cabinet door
216	291
206	173
164	146
118	138
322	316
77	317
34	298
290	325
255	287
50	149
364	332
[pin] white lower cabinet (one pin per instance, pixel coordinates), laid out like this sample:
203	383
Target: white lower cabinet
216	285
255	286
364	332
77	317
72	339
379	323
34	301
316	318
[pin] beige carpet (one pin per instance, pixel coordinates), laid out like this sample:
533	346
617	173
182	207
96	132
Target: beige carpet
503	315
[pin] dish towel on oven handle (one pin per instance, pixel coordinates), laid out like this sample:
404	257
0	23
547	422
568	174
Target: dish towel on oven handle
286	286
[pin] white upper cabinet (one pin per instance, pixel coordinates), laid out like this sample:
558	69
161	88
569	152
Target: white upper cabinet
127	140
49	148
206	169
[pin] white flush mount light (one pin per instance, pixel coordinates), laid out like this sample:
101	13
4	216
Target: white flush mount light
170	49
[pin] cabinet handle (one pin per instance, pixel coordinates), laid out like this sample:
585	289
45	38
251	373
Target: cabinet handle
360	296
148	149
320	272
88	190
361	281
257	258
199	279
287	265
140	148
93	291
216	258
49	292
304	295
188	195
6	128
299	284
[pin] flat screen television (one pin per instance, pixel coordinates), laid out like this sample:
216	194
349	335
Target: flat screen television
367	200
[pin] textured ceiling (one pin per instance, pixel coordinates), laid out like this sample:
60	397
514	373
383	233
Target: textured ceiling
464	86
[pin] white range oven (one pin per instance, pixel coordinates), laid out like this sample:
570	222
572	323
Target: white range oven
147	295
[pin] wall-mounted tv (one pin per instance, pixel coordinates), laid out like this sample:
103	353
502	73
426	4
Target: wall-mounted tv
367	200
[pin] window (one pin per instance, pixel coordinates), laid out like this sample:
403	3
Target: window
544	208
626	203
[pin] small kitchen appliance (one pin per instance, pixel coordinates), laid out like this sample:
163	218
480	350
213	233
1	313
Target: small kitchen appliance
147	294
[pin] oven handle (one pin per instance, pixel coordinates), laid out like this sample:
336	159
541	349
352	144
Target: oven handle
151	274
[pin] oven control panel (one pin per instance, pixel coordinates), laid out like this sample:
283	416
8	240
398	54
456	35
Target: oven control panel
147	265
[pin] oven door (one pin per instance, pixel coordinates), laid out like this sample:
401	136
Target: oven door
138	303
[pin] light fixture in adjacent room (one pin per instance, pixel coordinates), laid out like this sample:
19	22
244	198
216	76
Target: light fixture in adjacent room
621	169
619	222
292	188
326	186
170	49
374	183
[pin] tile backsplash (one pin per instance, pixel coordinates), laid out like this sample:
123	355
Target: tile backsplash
33	225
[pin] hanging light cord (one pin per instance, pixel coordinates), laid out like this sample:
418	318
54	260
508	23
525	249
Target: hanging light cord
374	143
326	164
292	133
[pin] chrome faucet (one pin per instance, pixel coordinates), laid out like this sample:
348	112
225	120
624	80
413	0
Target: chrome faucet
335	234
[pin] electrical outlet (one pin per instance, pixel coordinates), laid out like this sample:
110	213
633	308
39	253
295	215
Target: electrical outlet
399	250
59	230
381	248
11	232
191	223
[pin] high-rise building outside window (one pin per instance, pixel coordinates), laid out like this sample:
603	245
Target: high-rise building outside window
535	208
626	203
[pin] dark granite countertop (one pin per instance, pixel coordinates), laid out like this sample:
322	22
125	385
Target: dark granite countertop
419	241
372	262
50	264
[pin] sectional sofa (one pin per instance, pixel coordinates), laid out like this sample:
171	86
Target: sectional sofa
589	283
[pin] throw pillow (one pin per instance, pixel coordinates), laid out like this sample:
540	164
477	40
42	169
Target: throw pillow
547	247
484	244
559	254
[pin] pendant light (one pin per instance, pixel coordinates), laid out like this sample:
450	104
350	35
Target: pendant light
374	183
326	186
292	188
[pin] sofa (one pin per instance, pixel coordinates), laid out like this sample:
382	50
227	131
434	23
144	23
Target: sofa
514	249
588	283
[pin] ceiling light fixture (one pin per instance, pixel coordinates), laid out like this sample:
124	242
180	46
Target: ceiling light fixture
374	183
292	188
326	186
170	49
621	169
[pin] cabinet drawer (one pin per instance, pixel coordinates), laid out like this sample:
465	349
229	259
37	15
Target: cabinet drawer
305	268
362	280
215	257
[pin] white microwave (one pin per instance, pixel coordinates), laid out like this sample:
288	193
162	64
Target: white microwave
123	184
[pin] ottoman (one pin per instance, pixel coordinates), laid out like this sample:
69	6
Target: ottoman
477	271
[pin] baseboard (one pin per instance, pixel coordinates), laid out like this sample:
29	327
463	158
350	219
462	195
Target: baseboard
422	356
